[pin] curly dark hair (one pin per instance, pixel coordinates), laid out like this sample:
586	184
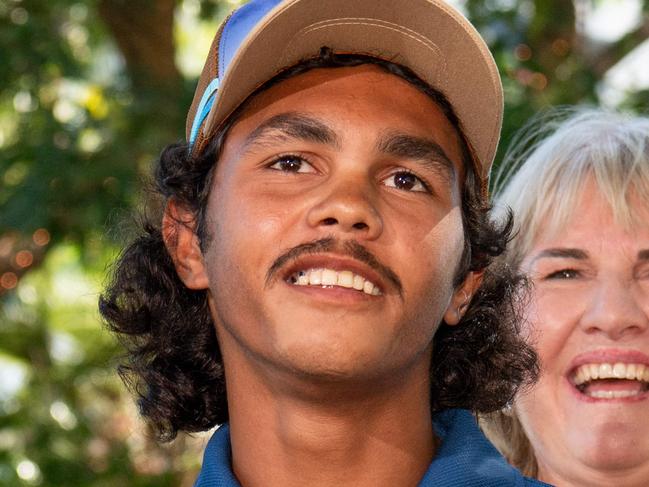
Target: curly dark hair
173	361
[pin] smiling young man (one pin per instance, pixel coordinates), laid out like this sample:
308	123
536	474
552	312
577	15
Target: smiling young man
319	282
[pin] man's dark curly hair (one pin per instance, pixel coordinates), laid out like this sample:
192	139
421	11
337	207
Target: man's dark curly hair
173	361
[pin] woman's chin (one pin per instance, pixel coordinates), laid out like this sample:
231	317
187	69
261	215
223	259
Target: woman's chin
610	440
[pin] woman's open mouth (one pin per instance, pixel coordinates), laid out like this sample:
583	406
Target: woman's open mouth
611	380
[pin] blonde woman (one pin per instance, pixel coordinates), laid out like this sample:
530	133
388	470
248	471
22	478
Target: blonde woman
580	196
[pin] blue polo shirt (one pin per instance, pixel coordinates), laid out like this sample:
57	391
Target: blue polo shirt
465	458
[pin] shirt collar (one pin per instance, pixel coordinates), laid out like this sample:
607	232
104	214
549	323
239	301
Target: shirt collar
465	457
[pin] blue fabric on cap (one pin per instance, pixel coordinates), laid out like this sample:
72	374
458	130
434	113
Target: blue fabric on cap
204	107
234	32
240	24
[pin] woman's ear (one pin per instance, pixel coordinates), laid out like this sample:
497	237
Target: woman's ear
462	298
183	245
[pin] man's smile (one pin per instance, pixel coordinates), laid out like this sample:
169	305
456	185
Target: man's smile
333	275
325	263
330	277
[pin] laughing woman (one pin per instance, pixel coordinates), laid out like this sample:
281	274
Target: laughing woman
581	199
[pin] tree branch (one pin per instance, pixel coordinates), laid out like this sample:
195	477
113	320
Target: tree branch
143	31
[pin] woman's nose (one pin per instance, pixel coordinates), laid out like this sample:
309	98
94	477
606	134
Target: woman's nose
616	309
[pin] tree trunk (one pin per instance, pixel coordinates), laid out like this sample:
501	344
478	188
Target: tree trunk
143	31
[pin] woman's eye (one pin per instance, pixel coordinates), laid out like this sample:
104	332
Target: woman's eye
406	181
292	164
563	274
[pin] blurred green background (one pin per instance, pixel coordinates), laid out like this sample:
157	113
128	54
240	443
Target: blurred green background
90	91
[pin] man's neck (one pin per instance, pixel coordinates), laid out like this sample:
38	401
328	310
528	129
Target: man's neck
337	436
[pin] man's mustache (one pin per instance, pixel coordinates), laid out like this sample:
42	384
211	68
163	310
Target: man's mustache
330	244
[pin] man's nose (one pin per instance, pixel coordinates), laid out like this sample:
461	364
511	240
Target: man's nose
348	207
617	309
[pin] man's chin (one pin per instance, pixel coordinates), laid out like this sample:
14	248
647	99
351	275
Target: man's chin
339	365
331	361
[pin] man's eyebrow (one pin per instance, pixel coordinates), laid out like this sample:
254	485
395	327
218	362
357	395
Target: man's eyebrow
562	253
420	149
291	125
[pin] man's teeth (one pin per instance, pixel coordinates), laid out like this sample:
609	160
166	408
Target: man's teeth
330	277
588	372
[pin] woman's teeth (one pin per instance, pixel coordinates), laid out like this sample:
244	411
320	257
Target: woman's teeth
588	372
612	394
605	380
330	277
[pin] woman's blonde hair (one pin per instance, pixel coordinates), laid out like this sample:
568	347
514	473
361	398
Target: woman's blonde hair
548	163
541	179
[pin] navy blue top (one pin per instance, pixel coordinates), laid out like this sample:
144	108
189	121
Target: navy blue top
465	458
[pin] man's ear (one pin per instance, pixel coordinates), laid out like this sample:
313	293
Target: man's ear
462	298
178	233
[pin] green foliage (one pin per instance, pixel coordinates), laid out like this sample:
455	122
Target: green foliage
77	138
80	123
56	129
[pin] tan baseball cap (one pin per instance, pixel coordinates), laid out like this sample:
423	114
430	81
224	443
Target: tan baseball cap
430	37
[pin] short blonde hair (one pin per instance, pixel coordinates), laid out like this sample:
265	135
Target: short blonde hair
549	162
541	179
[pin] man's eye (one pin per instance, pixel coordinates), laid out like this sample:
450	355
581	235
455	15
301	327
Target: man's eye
406	181
292	164
563	274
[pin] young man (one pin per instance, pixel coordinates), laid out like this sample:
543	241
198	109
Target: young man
318	282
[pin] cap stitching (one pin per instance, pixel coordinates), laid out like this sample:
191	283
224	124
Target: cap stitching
421	39
369	20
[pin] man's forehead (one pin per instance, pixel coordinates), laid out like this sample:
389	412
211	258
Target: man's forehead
309	105
326	86
298	80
